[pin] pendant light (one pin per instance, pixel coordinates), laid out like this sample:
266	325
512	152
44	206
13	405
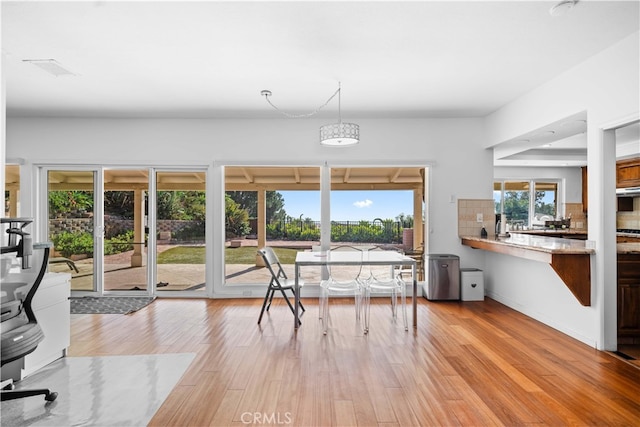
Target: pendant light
332	135
339	134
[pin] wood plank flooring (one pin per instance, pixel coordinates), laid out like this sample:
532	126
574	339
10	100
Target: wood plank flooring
467	363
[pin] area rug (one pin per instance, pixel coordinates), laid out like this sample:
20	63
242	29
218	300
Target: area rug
108	305
98	391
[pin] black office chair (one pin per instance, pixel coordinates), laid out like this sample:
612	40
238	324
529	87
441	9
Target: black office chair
278	282
22	334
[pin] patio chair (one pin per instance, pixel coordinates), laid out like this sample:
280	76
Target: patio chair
279	281
385	280
342	281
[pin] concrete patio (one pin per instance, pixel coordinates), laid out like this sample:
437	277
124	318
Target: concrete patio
120	276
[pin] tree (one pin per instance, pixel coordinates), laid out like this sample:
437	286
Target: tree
119	203
406	221
516	205
236	218
542	207
61	202
249	200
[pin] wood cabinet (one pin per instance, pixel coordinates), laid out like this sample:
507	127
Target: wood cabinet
627	239
628	173
628	296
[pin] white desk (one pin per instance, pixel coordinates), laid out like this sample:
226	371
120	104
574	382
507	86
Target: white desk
391	258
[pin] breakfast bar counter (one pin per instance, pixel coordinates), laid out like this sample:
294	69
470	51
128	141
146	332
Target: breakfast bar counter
570	259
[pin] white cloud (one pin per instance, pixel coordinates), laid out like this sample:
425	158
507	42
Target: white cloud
363	203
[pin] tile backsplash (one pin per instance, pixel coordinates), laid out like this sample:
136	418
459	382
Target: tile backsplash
468	211
578	218
630	219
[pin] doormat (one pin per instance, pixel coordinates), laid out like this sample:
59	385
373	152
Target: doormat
108	305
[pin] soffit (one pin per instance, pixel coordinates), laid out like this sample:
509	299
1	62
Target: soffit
240	178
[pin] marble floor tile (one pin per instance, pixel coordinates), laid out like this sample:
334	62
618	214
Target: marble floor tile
98	391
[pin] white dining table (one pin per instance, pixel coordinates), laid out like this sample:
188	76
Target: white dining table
325	258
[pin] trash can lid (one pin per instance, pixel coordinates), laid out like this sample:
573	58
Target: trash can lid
442	256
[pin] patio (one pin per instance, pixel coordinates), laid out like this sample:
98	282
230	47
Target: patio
120	276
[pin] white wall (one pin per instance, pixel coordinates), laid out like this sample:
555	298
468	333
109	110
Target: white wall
607	86
460	166
534	289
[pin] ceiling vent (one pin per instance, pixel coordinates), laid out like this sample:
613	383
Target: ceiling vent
51	66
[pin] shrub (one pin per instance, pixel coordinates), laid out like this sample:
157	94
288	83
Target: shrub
194	232
73	244
69	244
119	243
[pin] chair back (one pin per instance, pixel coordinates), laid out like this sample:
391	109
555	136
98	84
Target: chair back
345	275
382	272
20	332
272	262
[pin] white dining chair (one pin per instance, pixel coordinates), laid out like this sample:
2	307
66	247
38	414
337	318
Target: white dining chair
383	279
342	281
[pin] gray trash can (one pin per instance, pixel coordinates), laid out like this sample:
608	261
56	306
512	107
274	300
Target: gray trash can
443	277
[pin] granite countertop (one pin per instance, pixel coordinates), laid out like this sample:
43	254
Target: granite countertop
548	244
551	244
563	231
623	234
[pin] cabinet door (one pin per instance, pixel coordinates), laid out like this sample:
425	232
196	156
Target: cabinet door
628	173
629	310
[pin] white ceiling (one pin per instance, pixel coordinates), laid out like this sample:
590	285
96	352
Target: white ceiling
212	59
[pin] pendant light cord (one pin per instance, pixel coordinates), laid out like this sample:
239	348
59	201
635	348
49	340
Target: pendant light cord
267	94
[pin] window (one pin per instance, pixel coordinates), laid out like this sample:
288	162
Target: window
525	208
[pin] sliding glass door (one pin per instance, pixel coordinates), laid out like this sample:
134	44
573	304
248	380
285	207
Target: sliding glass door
180	230
277	206
71	207
281	207
125	250
378	206
99	222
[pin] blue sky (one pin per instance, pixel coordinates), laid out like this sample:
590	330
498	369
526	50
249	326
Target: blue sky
350	205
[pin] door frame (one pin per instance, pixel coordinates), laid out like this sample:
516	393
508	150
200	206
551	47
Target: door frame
42	204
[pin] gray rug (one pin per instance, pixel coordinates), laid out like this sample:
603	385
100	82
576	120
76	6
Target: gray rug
108	305
98	391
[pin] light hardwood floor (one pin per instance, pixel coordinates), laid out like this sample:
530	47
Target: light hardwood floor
467	363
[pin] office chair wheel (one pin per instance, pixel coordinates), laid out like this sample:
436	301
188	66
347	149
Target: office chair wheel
51	396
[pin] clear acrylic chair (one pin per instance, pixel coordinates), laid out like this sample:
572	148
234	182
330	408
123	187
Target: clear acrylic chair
343	280
279	281
383	279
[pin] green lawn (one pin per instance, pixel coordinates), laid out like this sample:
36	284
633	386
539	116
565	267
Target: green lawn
241	255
